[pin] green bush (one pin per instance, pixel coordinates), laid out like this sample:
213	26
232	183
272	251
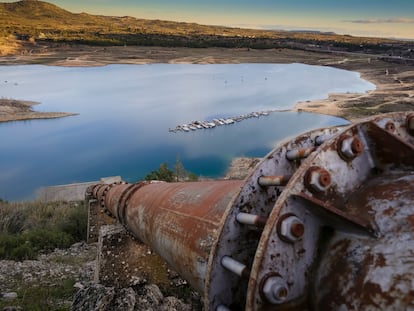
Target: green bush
23	252
32	227
28	245
163	173
75	224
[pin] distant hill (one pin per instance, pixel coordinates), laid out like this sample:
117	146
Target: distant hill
32	17
33	10
42	21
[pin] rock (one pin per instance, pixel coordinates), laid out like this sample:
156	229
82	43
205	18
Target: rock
145	298
95	297
126	300
174	304
78	285
241	167
150	297
8	296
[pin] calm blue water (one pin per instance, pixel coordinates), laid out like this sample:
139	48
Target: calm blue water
126	111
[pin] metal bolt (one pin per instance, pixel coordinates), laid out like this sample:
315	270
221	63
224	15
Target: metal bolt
268	181
297	154
235	266
410	124
390	126
250	219
350	147
275	290
291	228
317	179
320	139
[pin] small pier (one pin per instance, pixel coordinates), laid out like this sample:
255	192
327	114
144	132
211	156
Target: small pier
210	124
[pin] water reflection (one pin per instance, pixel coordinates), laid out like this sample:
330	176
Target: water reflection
126	111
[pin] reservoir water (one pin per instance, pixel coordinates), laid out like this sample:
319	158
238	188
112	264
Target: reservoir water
125	112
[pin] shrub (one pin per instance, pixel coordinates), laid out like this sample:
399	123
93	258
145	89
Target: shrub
75	224
12	220
29	244
29	228
163	173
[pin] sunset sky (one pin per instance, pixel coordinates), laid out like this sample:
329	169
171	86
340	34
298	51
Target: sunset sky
382	18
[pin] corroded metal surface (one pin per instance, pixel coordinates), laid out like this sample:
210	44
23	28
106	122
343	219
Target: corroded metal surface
240	241
374	274
325	221
178	220
325	211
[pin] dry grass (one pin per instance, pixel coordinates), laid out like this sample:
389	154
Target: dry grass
32	227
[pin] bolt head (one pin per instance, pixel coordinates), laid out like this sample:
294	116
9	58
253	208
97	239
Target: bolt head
390	126
350	147
297	229
291	228
275	290
317	179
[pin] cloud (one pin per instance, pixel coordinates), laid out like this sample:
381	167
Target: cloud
394	20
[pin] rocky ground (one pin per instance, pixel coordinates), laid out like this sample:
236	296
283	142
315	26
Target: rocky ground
63	280
61	268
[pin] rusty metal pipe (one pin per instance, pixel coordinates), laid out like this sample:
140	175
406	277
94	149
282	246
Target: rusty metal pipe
179	221
348	206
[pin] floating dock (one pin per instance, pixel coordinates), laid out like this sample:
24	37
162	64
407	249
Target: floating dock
209	124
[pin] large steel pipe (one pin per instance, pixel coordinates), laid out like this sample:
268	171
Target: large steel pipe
331	228
178	220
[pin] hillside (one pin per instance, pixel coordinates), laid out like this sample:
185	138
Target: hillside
41	21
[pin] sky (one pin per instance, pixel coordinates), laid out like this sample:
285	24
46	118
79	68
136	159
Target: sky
378	18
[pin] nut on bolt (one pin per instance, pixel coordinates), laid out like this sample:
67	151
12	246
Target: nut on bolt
350	147
390	126
317	179
274	289
290	228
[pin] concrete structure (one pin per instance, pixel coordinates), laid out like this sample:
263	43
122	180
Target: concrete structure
70	192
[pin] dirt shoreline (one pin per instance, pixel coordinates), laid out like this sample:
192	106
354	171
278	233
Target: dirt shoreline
21	110
394	82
